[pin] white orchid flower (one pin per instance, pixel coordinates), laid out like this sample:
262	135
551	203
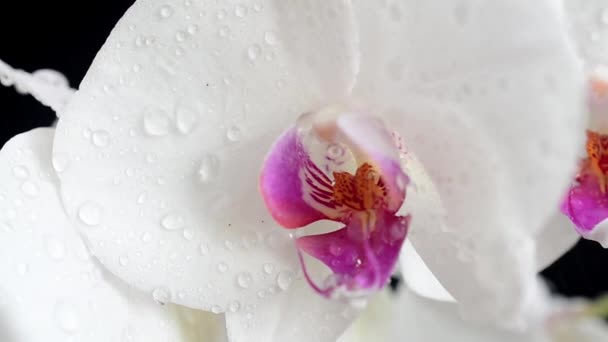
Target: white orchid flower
468	114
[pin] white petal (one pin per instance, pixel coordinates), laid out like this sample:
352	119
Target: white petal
165	139
298	315
407	317
52	289
556	238
488	95
589	21
419	278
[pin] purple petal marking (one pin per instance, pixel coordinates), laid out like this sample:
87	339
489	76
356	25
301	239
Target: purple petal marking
585	204
358	263
280	182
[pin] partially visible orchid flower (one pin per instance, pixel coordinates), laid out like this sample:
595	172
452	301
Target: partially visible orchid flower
369	121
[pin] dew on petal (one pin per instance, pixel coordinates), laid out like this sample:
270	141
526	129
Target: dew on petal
21	172
157	123
30	189
55	248
90	214
235	306
284	279
172	222
166	11
268	268
222	267
253	52
161	295
67	317
270	38
244	280
186	120
60	162
208	169
233	133
100	138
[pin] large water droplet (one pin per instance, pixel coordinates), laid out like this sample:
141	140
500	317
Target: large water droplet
30	189
90	213
21	172
161	295
186	119
55	248
203	249
180	36
268	268
100	138
188	234
284	279
244	280
192	29
172	222
235	306
209	168
234	133
157	123
240	11
222	267
270	38
216	309
67	317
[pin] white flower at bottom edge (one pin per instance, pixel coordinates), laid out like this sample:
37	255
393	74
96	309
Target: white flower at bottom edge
158	153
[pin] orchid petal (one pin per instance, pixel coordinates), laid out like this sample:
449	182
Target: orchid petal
495	122
49	276
165	138
554	240
298	315
589	23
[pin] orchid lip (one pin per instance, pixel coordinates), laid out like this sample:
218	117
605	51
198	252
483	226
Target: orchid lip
341	166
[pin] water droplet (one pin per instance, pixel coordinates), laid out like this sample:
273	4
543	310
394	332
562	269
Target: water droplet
157	123
180	36
172	222
223	31
235	306
192	29
208	169
186	119
142	198
123	260
336	249
146	237
222	267
270	38
90	213
203	249
216	309
161	295
6	227
257	7
233	133
268	268
21	172
188	234
221	14
30	189
100	138
284	279
60	162
136	67
244	280
335	151
55	248
166	11
262	294
67	317
254	51
240	11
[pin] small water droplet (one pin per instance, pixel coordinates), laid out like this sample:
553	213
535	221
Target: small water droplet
90	213
284	279
262	294
192	29
216	309
172	222
335	151
21	172
208	169
180	36
55	248
240	11
223	31
186	119
233	133
142	198
30	189
100	138
235	306
166	11
136	67
157	123
188	234
257	7
270	38
203	249
244	280
221	14
146	237
222	267
336	249
67	317
123	260
161	295
268	268
254	51
60	162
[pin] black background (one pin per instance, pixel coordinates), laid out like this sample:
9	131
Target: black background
66	35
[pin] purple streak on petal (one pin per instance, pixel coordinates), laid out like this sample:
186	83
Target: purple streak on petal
281	185
358	263
585	204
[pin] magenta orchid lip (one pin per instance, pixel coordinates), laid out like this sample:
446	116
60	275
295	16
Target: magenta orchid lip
298	191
